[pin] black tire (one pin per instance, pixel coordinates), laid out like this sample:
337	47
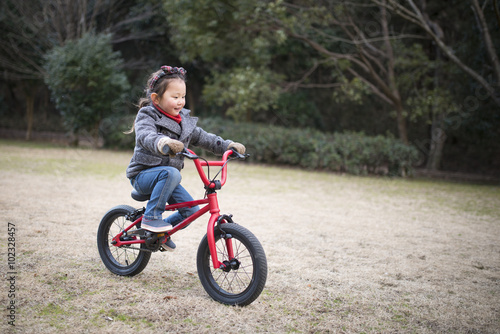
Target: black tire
122	261
239	286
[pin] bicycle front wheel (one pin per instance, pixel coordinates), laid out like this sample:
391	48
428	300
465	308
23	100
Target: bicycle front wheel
245	280
123	261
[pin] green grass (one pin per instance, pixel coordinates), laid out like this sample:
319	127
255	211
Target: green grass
40	158
55	315
30	144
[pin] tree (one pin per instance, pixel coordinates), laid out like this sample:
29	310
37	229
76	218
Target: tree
242	35
448	48
30	28
87	82
420	17
400	52
225	35
341	34
24	40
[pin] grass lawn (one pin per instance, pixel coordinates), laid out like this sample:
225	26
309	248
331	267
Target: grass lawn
345	254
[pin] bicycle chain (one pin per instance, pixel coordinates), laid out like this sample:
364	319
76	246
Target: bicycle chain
135	248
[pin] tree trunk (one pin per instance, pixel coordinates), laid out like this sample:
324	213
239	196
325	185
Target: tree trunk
30	106
438	134
401	121
75	140
95	135
391	77
438	137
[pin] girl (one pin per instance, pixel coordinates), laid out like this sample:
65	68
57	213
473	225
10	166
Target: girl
162	129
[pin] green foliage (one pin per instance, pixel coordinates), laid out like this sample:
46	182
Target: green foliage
25	37
296	110
420	81
243	90
116	133
353	90
220	32
225	35
86	81
353	153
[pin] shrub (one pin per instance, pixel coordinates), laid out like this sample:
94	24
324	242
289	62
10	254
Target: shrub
350	152
114	130
86	82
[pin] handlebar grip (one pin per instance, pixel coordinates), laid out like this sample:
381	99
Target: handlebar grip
188	154
239	155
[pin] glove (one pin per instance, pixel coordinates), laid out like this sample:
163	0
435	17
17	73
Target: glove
170	146
240	148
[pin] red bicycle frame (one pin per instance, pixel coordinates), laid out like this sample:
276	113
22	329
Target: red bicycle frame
210	204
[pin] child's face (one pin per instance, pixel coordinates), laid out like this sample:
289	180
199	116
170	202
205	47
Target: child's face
174	98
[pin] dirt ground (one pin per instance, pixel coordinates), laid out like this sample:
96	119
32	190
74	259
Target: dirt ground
345	254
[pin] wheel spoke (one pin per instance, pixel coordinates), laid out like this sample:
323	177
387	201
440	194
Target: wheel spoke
236	280
244	276
120	260
122	255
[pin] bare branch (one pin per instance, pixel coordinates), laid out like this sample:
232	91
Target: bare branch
416	16
372	86
312	85
388	49
296	84
368	40
322	50
363	41
490	48
497	11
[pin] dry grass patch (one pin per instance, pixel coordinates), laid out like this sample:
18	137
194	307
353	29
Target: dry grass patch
345	254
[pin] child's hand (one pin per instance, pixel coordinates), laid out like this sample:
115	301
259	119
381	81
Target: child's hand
240	148
170	146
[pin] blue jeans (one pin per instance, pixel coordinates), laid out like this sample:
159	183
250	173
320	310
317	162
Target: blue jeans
163	184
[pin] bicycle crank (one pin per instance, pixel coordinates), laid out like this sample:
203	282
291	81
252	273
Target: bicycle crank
153	241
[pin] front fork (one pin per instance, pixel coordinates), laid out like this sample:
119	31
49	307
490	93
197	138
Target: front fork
227	237
214	222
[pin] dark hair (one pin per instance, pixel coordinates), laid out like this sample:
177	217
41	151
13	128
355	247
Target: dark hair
158	82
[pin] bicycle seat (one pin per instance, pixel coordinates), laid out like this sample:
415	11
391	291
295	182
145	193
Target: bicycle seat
139	197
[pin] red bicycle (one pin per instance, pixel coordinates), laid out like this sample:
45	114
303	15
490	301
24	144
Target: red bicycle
231	262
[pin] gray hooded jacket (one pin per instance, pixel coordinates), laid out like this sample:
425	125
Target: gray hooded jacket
151	126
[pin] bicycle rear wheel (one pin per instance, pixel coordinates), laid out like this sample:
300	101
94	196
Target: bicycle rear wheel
122	261
244	282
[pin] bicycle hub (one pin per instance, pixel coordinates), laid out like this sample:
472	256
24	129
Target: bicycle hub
227	266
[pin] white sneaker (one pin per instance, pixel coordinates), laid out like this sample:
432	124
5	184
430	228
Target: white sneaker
156	226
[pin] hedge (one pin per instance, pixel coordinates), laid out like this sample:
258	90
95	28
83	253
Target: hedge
348	152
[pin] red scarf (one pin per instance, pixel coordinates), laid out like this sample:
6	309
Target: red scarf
177	118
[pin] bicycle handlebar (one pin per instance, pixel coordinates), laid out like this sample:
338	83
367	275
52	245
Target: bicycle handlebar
238	155
191	155
221	163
